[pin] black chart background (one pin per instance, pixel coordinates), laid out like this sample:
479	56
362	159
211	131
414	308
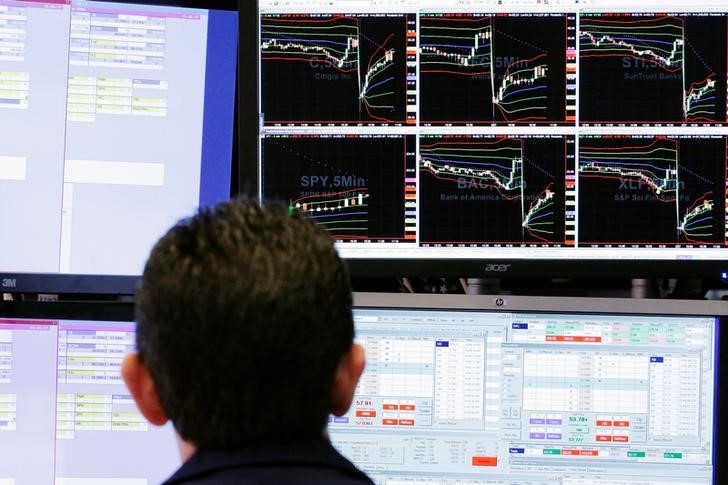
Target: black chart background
613	213
497	221
611	90
299	92
379	159
458	99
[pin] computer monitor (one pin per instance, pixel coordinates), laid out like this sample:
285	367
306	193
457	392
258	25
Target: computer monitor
66	417
499	137
536	391
117	120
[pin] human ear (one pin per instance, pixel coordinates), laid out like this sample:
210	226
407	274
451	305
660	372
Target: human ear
346	378
140	384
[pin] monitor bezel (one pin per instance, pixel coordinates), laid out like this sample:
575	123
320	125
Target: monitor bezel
571	266
106	284
586	306
88	311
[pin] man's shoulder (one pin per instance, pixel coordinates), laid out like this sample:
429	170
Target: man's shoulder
312	463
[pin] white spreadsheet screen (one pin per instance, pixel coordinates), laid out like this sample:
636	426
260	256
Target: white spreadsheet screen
65	414
468	397
116	120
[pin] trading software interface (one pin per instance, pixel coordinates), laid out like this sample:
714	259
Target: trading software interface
508	398
65	414
499	128
116	119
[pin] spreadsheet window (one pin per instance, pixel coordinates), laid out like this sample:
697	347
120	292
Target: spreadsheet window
105	110
27	396
532	398
65	414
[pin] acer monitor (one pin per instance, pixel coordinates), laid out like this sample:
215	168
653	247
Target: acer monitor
450	138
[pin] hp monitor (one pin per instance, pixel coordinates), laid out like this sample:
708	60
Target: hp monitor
536	391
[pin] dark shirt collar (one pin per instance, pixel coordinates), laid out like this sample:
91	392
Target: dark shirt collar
313	452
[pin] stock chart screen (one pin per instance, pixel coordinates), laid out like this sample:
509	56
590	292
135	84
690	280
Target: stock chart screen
520	130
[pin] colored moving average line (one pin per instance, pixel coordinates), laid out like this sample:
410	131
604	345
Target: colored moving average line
469	51
335	42
457	50
372	79
478	164
340	213
660	41
662	44
486	165
699	100
635	165
697	221
538	220
639	164
529	77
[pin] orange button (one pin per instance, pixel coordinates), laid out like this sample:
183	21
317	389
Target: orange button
366	414
485	461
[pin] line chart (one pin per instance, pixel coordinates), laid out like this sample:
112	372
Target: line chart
485	69
652	68
357	187
527	76
341	213
538	219
493	190
646	190
696	225
498	165
352	69
636	165
700	100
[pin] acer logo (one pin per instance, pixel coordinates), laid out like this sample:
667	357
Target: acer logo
497	268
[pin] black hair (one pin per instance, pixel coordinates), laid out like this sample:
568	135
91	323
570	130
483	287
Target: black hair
243	315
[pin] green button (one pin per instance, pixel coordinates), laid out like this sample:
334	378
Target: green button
636	454
551	452
673	455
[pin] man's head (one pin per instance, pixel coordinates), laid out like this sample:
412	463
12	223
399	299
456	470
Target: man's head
244	329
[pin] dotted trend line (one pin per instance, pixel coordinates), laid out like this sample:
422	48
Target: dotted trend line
309	159
696	175
522	41
697	55
539	168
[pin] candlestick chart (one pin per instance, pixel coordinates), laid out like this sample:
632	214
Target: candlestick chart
357	187
334	69
648	190
505	69
657	69
487	189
